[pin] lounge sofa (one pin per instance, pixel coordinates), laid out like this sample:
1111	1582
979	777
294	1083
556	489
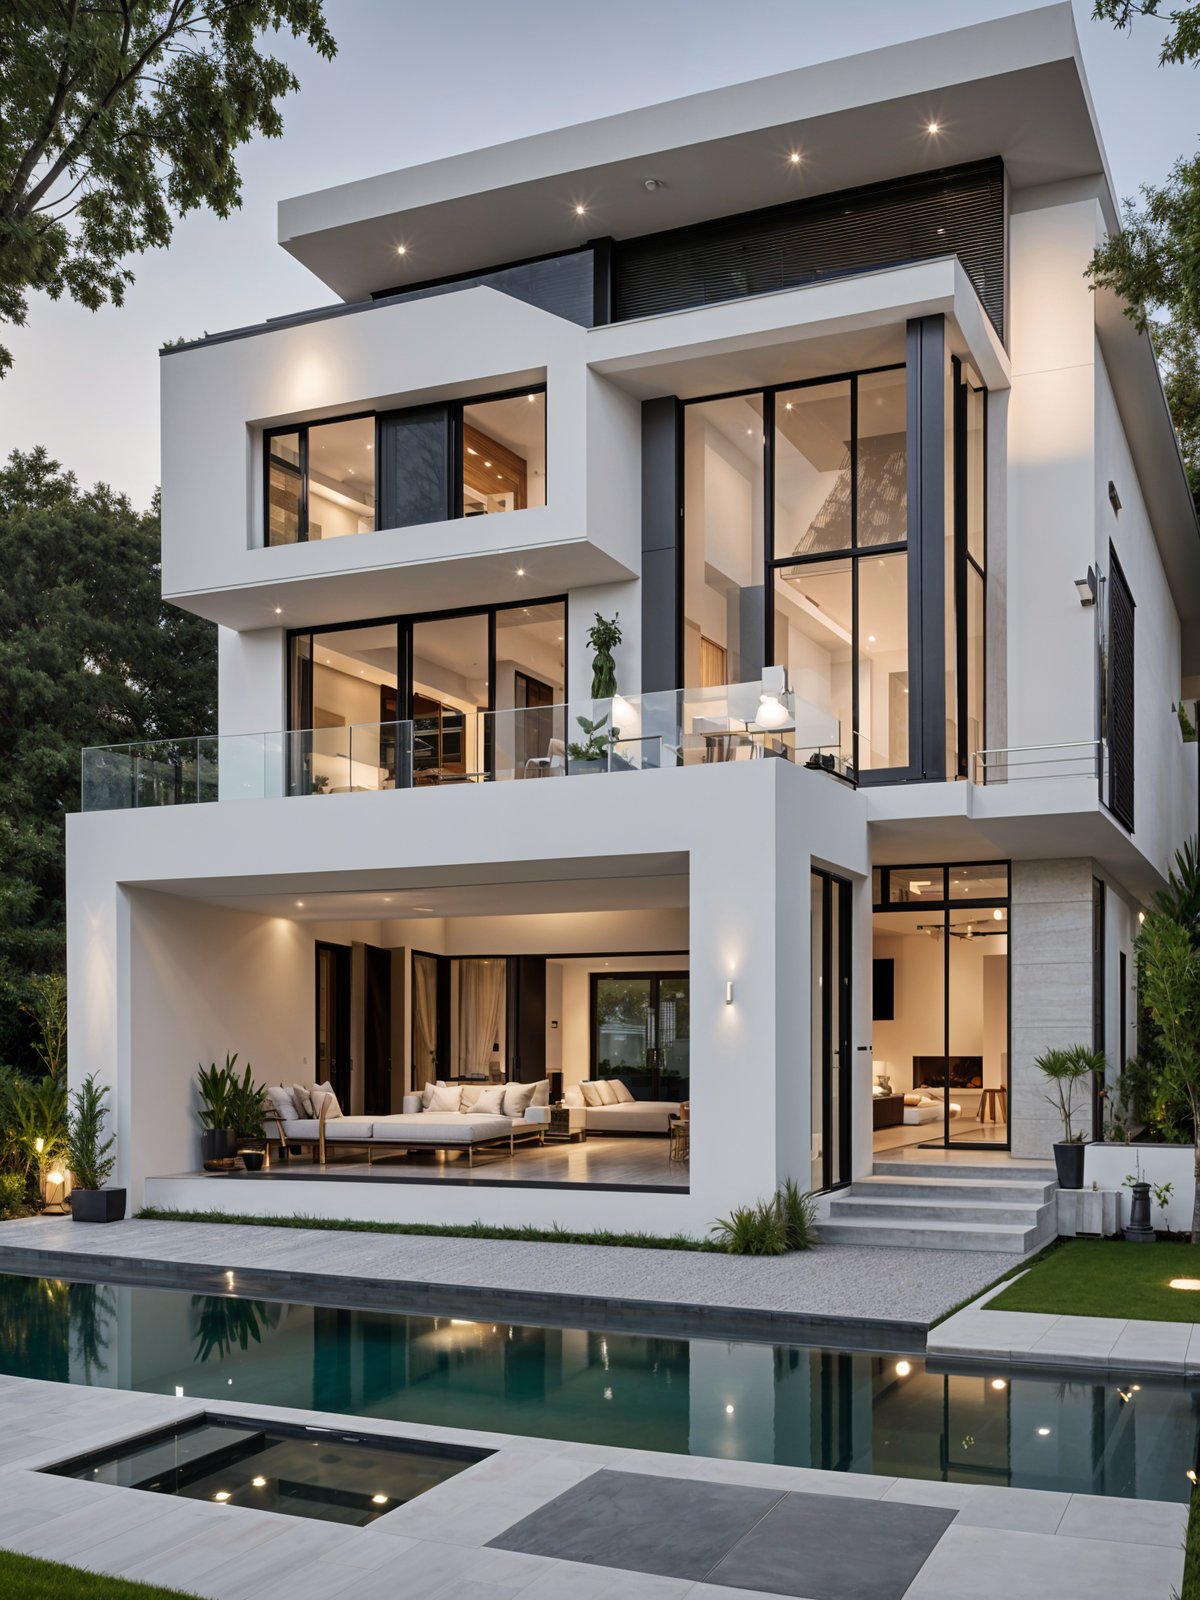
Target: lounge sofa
609	1107
441	1117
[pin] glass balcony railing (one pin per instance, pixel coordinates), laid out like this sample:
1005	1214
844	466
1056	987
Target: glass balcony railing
674	728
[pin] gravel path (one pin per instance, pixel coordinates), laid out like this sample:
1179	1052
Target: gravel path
843	1281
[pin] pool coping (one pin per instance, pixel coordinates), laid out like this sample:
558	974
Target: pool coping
1120	1345
544	1308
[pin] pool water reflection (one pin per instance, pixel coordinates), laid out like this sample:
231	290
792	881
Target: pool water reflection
843	1410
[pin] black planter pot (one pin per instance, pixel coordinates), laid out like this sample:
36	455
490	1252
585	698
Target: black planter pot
1068	1159
98	1205
252	1160
217	1144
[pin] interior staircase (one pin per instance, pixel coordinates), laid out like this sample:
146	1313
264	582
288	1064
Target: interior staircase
947	1205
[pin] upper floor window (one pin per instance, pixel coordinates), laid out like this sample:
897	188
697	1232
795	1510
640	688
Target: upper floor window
396	469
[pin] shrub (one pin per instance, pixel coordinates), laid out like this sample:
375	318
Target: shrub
773	1227
87	1155
12	1194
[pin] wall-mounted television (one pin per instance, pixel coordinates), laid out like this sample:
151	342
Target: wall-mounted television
883	989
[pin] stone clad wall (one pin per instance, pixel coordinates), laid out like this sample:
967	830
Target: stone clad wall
1050	956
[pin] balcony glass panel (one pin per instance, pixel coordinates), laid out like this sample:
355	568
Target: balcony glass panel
883	661
814	638
449	686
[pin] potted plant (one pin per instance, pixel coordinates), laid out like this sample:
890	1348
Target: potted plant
214	1085
89	1157
247	1108
604	636
593	754
1067	1069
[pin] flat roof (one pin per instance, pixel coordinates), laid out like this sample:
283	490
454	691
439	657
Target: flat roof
1013	87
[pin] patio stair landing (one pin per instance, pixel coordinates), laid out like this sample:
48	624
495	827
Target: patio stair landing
953	1205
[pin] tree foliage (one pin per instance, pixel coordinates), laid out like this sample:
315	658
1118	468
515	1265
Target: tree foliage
1169	973
118	115
1153	263
89	654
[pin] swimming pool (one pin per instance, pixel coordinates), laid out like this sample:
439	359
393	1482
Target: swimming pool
846	1410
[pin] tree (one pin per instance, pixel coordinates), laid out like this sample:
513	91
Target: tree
118	115
1169	973
89	654
1154	262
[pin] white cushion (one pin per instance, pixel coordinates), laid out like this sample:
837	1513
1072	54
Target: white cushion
608	1095
541	1092
427	1093
303	1100
445	1097
573	1096
283	1104
591	1094
489	1102
323	1092
622	1092
471	1093
518	1097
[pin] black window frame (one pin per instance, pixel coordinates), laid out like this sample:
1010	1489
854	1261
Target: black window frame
964	564
654	977
1120	696
454	487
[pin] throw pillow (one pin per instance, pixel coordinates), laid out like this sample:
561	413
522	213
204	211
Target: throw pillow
303	1099
541	1092
608	1095
283	1104
427	1094
335	1110
591	1094
912	1099
624	1096
445	1097
518	1097
489	1102
573	1096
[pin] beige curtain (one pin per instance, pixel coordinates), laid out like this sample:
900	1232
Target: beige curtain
425	1015
480	999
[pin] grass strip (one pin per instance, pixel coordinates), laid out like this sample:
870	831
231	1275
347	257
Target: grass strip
1108	1278
440	1230
32	1579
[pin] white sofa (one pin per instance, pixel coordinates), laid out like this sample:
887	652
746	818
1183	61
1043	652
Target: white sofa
441	1117
928	1109
617	1111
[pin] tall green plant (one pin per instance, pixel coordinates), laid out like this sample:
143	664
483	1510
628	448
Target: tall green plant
47	1006
87	1151
247	1105
1067	1071
604	636
1169	972
214	1087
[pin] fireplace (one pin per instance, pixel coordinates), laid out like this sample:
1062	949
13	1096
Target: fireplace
966	1072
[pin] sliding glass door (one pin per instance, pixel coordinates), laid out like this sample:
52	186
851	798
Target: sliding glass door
641	1032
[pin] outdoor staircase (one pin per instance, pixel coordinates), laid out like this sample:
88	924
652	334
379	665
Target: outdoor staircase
950	1205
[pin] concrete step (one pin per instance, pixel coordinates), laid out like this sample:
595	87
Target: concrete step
1010	1240
973	1171
936	1209
1007	1191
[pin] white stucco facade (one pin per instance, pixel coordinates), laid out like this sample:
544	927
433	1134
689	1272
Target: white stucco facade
192	929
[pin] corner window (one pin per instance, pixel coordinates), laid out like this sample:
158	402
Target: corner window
433	463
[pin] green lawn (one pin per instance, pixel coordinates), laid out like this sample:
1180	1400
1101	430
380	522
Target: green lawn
1108	1278
50	1580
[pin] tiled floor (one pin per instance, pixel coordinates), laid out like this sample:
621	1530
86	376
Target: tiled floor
748	1530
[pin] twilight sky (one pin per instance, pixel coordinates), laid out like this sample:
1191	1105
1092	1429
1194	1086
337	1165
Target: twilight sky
414	81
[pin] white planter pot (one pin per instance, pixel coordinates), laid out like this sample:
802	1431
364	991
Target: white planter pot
1088	1211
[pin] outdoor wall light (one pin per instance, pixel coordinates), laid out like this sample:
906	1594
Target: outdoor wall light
729	992
999	1383
1086	588
903	1368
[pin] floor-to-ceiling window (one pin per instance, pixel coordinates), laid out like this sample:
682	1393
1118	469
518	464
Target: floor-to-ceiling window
353	691
940	1024
830	959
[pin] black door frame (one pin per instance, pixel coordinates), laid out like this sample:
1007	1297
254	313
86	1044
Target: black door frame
339	1066
654	978
837	1140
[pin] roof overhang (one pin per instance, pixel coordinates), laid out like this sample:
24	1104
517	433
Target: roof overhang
1013	87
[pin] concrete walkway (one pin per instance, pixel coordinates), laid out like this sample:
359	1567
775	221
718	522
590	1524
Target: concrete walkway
751	1530
1041	1339
893	1291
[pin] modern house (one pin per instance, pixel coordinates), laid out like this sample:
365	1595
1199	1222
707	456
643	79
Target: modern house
800	381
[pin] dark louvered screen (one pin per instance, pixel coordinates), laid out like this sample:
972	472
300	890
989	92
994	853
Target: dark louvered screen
563	285
1120	695
957	211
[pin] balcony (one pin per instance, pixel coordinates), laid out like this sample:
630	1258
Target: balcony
605	738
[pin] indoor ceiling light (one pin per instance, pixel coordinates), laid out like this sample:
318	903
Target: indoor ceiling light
278	611
933	127
997	915
580	210
652	184
259	1483
520	572
795	158
401	249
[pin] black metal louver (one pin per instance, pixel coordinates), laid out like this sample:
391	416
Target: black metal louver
1120	695
957	211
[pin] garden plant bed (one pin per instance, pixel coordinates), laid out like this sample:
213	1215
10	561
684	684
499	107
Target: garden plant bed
1108	1278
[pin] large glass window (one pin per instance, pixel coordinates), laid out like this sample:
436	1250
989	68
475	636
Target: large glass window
723	542
320	481
449	686
840	626
428	463
641	1032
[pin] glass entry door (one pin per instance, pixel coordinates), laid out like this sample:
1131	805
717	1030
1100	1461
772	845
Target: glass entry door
830	960
641	1032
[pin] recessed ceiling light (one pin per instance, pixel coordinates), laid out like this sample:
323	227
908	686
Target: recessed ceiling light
795	158
278	611
531	398
222	1495
379	1499
870	638
1043	1433
579	210
903	1368
999	1383
934	127
299	905
259	1483
401	249
728	1411
520	572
